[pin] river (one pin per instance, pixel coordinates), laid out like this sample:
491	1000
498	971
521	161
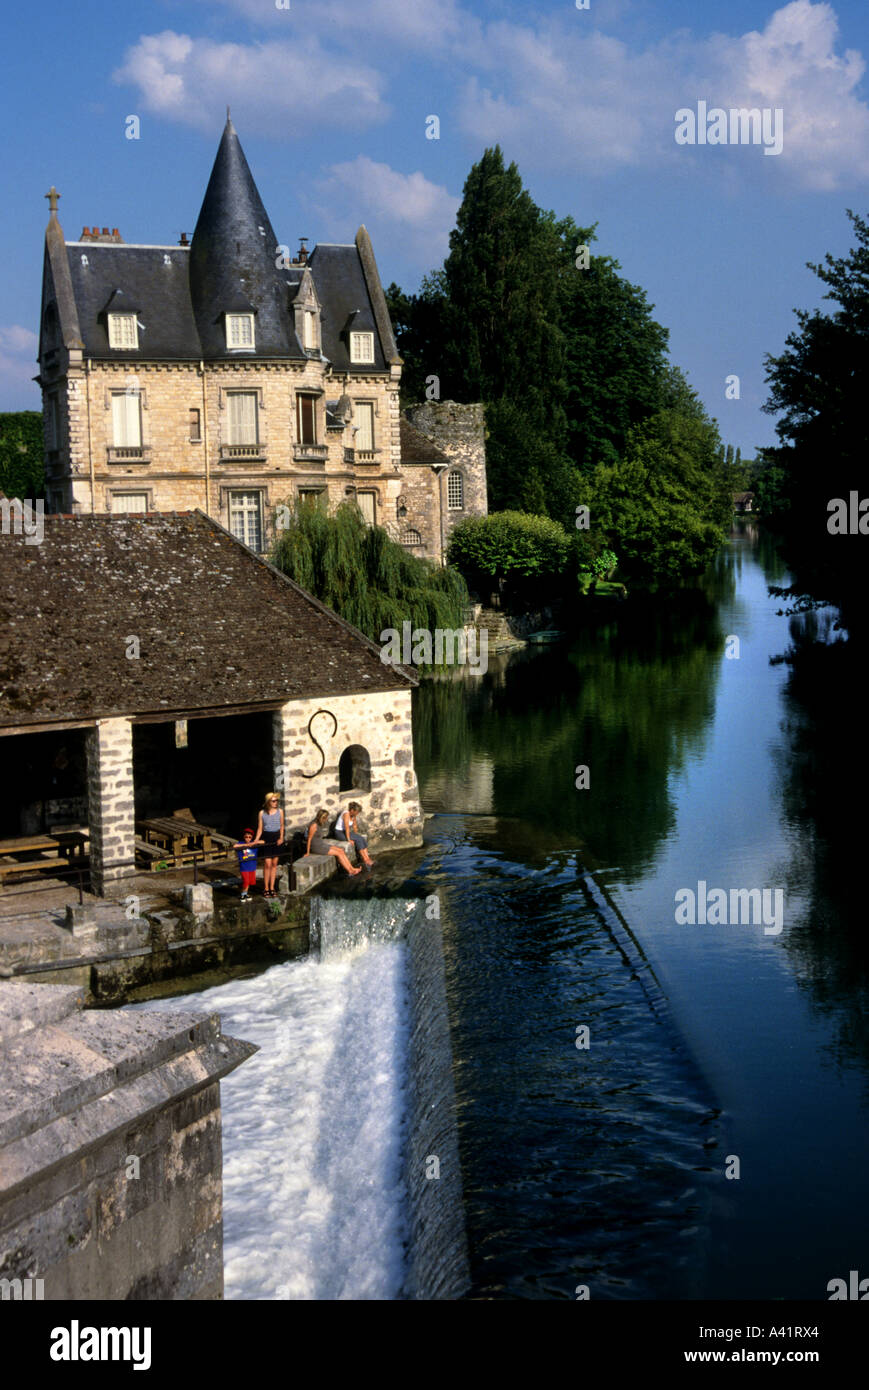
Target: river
609	1166
646	1108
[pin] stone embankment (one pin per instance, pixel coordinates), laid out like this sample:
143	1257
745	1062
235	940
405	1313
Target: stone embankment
110	1149
507	630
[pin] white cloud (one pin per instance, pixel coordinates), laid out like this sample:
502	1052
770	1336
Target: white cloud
553	89
18	347
403	212
562	96
267	84
420	24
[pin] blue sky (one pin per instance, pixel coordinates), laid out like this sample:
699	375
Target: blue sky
330	98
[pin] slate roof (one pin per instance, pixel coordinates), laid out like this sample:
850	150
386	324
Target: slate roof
198	601
340	284
140	280
232	260
180	294
417	447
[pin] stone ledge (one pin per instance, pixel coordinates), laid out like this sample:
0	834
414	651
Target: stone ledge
85	1057
72	1136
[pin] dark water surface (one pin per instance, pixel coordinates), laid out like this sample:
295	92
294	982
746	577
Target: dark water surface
606	1166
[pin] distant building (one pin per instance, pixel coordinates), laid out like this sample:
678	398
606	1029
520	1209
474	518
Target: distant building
743	502
230	374
150	663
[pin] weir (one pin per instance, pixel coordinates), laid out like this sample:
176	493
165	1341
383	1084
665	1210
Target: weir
437	1259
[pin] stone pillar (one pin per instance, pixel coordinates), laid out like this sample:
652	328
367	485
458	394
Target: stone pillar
111	811
284	731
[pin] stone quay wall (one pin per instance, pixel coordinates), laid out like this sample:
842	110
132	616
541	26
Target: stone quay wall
110	1148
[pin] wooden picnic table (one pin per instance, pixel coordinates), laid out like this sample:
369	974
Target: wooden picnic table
68	842
65	846
173	834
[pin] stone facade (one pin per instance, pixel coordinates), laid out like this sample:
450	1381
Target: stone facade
176	471
110	1148
460	432
326	424
111	801
373	737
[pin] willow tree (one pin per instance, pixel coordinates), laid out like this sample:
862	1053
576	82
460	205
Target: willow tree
367	578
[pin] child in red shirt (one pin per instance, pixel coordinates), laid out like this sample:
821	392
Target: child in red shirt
246	851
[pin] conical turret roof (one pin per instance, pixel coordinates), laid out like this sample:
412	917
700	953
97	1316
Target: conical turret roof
233	258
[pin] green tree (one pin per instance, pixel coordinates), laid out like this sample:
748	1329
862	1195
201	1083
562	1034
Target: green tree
361	574
615	352
817	386
22	471
665	507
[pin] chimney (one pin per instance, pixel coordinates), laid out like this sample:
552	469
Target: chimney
184	241
303	251
94	234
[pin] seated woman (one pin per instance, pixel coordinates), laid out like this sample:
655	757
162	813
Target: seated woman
347	829
317	845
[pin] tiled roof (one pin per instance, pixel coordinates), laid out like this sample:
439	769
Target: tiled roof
216	626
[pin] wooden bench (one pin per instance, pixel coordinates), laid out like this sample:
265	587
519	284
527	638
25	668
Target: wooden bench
29	866
153	854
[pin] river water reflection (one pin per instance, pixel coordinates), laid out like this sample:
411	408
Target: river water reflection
606	1166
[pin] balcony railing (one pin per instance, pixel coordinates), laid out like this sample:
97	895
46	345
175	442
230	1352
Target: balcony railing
310	453
127	453
242	451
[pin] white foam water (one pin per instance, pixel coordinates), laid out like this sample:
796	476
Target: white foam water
314	1199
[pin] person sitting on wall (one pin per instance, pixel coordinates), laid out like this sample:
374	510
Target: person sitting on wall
270	830
317	845
347	829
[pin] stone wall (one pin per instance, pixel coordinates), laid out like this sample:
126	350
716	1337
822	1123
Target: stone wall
110	1148
381	724
111	806
460	431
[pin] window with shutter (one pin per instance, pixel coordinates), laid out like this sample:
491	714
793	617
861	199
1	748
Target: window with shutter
126	420
242	418
310	329
306	420
128	503
366	504
363	412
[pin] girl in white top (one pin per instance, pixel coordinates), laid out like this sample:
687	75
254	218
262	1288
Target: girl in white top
345	829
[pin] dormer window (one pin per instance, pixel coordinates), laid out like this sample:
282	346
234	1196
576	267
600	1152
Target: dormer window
361	347
123	332
239	331
310	331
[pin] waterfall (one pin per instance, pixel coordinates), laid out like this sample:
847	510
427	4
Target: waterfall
437	1259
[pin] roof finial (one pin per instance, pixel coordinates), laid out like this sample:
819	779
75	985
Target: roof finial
52	195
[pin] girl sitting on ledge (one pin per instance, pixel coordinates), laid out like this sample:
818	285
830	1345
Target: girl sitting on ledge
317	845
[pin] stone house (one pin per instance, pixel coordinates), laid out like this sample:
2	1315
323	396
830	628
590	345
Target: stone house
153	662
231	375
